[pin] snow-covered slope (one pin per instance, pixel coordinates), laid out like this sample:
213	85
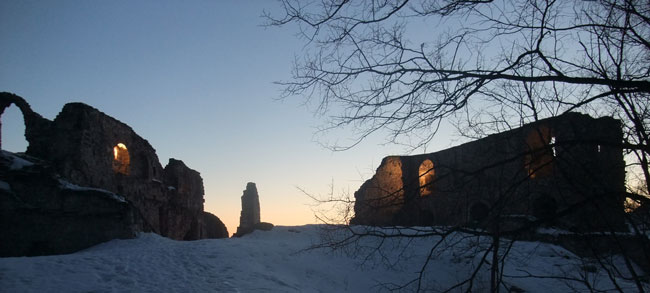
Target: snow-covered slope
276	261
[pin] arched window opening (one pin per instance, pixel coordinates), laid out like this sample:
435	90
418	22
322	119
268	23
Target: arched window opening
121	159
12	133
478	212
540	152
426	177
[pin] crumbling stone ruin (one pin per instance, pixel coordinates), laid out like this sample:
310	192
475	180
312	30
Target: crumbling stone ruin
91	150
249	220
250	207
569	169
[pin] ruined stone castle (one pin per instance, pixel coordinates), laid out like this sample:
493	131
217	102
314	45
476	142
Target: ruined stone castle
568	169
88	148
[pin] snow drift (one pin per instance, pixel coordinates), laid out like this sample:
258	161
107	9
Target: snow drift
279	261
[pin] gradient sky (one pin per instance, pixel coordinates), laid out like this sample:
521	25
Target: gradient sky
194	79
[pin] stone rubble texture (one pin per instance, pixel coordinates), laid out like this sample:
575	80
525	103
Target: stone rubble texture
41	215
79	146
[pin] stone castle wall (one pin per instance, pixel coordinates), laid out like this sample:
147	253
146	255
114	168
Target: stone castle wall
92	149
572	163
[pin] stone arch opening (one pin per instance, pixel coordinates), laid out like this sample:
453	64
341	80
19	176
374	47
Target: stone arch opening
121	159
12	133
544	207
478	211
540	152
426	175
34	124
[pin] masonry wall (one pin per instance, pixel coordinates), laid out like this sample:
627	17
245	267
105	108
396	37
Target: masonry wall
572	163
92	149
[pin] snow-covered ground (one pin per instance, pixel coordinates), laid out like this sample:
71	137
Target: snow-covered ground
277	261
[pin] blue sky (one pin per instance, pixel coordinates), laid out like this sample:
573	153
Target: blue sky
193	78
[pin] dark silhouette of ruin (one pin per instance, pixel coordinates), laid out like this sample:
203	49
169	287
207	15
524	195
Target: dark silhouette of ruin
249	220
250	206
568	170
87	148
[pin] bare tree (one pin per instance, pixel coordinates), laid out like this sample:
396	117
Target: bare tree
405	66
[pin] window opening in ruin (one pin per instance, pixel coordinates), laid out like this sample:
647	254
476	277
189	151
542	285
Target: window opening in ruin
630	205
12	134
121	159
478	211
599	148
426	177
540	152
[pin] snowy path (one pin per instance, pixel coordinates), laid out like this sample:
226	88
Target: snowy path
260	262
151	263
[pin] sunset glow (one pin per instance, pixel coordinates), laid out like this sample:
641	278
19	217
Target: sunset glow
189	94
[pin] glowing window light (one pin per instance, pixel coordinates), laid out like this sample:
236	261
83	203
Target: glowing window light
541	150
116	149
426	177
121	159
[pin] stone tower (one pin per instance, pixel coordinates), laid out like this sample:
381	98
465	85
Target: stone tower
250	210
